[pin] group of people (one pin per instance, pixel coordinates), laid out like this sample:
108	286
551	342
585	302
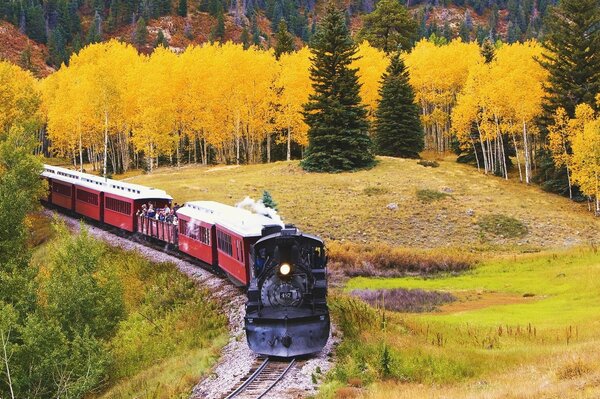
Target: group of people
165	214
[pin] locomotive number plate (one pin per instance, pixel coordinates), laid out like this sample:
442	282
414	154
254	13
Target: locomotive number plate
285	295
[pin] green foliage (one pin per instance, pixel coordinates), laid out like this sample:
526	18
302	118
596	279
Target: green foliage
338	139
20	191
81	294
267	200
502	225
390	27
488	51
182	10
428	164
218	31
398	131
573	65
141	33
428	196
285	41
94	34
161	40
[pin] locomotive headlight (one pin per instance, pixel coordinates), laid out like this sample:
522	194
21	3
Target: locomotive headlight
285	269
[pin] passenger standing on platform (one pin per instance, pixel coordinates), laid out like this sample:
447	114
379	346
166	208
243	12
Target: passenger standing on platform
151	211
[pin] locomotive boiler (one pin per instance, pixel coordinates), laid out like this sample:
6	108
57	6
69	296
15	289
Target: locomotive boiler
286	312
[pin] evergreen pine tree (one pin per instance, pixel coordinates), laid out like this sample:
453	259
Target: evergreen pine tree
161	40
141	33
572	59
398	130
94	34
219	29
267	200
285	41
57	48
337	122
35	24
488	51
182	10
245	38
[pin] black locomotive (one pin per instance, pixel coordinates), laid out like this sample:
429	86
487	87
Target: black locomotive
286	312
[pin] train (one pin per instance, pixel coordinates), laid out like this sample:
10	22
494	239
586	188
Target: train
283	270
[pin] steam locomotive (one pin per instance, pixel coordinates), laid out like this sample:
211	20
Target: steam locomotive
286	312
283	269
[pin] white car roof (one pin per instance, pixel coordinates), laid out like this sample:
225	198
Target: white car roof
98	183
237	220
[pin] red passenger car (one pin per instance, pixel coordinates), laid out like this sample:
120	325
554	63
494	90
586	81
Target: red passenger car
105	200
221	235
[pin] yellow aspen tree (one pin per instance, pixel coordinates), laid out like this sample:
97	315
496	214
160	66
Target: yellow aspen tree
295	86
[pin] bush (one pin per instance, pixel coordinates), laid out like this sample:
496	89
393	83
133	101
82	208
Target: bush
427	196
405	300
428	164
380	260
502	226
369	191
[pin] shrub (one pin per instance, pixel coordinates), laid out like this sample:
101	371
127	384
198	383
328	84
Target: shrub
381	260
405	300
427	196
572	370
428	164
369	191
502	225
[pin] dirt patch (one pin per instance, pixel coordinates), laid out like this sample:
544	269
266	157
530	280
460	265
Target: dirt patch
474	300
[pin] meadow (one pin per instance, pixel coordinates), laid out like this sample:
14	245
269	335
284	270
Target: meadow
524	326
354	206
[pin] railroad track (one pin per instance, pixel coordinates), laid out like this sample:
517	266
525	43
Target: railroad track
261	379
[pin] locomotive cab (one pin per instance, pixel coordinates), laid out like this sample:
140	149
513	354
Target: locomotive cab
286	312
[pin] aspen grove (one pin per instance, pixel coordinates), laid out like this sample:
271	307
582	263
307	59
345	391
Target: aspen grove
116	109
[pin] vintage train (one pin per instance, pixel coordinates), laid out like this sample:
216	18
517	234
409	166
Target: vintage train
283	269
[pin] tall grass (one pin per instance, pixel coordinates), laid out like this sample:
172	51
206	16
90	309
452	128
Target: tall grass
382	260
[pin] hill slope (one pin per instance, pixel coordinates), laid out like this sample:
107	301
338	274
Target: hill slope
353	206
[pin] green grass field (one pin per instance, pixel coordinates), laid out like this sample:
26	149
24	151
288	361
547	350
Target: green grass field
353	206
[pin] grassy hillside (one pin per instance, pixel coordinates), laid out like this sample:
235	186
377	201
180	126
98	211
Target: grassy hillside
451	205
524	327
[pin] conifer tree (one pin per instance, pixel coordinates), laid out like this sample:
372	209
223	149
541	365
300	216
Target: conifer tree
338	138
267	200
161	40
182	10
488	52
398	130
141	33
572	59
389	26
285	41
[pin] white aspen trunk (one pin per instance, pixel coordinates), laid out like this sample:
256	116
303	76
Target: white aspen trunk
289	143
483	151
476	156
178	145
269	148
518	160
150	157
503	154
5	357
196	148
527	154
569	181
105	143
80	151
205	160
